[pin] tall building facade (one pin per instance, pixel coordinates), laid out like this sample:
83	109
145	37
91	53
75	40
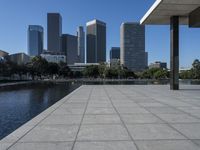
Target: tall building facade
146	59
115	53
96	41
54	32
132	46
35	40
70	48
81	44
115	57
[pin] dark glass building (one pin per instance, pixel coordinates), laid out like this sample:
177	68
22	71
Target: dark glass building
54	32
81	44
132	46
96	41
115	53
35	40
70	48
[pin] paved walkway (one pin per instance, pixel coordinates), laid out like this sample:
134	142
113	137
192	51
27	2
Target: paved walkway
121	117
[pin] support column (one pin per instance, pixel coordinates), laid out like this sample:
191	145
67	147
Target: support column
174	53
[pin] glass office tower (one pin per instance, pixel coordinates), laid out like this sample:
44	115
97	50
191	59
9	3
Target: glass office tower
81	44
70	48
132	46
54	32
96	41
115	53
35	40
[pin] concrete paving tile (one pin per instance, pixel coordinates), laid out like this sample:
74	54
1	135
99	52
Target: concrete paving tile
143	100
167	145
99	105
153	132
80	100
191	110
62	119
115	145
100	110
68	111
101	119
164	110
154	104
132	110
190	130
99	101
102	133
140	118
5	146
126	100
124	104
196	142
178	118
69	105
176	103
49	133
17	134
196	115
43	146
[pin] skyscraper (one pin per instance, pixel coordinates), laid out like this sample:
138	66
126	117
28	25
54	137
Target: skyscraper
70	48
54	32
81	44
96	41
146	59
115	53
115	57
35	40
132	46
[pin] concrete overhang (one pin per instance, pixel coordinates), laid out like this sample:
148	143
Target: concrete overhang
162	10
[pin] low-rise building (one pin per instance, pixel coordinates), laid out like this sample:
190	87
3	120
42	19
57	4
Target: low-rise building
3	53
54	58
81	66
158	64
19	58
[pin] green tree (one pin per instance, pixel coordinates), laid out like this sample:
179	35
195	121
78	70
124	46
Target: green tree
64	70
196	69
111	73
160	74
102	70
186	74
38	66
154	73
53	69
77	74
91	71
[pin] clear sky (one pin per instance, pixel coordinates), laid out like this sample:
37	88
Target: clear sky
16	15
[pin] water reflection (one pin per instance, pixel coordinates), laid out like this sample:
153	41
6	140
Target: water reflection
20	105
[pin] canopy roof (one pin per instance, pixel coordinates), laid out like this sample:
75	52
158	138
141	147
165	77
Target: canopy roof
162	10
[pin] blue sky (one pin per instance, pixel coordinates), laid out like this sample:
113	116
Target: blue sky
16	15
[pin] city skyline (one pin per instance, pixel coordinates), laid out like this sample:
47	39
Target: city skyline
158	48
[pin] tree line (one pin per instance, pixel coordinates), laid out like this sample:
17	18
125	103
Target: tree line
193	73
39	68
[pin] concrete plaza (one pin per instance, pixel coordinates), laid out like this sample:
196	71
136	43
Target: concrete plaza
115	117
